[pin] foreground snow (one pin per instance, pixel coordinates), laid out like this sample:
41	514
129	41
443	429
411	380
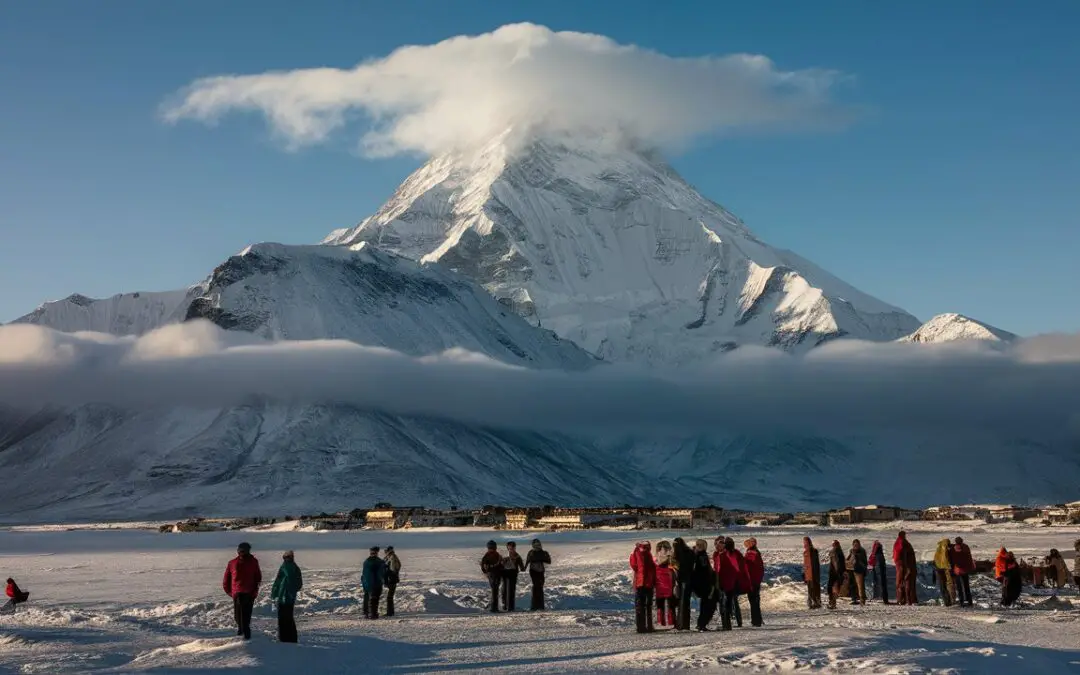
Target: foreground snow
136	601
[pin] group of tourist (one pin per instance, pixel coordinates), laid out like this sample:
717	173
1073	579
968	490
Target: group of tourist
676	572
502	573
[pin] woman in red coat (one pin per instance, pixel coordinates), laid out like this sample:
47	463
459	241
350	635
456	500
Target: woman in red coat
15	596
755	571
906	571
732	579
963	567
644	567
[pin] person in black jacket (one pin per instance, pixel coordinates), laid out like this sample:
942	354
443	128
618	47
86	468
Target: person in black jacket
492	567
537	561
857	566
684	564
703	581
837	572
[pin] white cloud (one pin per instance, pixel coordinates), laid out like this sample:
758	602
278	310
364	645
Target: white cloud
1028	389
468	89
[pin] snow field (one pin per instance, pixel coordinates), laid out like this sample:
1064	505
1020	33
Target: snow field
137	601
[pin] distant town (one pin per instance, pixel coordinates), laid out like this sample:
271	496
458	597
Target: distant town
385	516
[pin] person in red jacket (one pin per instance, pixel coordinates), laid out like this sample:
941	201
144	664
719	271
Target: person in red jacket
665	586
963	567
731	579
906	571
755	571
241	583
644	567
15	596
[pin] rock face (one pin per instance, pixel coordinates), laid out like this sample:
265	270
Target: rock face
949	327
610	248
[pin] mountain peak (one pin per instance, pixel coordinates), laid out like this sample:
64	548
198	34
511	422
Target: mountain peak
604	243
949	327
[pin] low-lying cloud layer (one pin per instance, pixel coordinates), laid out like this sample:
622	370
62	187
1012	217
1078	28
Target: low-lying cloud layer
1028	389
469	89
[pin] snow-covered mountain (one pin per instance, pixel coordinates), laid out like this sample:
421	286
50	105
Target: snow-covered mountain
950	327
101	461
124	314
610	248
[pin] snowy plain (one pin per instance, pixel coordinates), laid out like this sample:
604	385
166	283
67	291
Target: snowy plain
133	600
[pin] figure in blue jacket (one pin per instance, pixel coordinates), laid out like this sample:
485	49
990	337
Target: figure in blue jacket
373	578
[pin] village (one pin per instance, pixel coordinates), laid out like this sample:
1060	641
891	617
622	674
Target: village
385	516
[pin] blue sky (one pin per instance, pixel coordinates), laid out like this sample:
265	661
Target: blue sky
957	190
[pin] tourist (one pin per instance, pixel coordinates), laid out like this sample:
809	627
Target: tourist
537	561
1059	571
963	568
880	572
491	565
1007	572
730	580
287	584
512	564
857	566
683	557
241	583
15	596
703	583
943	569
393	578
755	572
372	579
665	585
906	571
644	567
812	574
837	572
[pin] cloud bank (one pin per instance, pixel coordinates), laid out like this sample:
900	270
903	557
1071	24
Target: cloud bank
468	89
1028	390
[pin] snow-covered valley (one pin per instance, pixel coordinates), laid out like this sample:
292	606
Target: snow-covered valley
138	601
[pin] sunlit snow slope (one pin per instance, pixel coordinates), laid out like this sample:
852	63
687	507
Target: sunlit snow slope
949	327
613	250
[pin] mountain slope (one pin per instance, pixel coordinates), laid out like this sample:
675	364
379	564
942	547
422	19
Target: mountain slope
102	461
124	314
949	327
611	249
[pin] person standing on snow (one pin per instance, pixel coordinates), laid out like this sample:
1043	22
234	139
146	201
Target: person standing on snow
963	567
241	583
703	583
492	565
683	558
1059	571
877	566
644	567
731	579
288	583
372	579
755	572
943	570
837	572
1007	572
665	585
537	561
512	564
906	571
857	565
393	577
812	574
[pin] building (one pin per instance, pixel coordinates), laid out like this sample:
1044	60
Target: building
1014	513
391	518
579	520
522	519
853	515
1062	514
809	518
768	519
437	518
681	519
489	516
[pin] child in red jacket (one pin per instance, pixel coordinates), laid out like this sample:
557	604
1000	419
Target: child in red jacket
665	585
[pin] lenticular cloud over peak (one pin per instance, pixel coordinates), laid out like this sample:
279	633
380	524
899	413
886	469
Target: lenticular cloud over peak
467	89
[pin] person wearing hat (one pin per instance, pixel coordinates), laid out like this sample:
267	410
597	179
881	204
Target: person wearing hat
288	583
537	561
372	579
492	566
755	571
393	576
241	583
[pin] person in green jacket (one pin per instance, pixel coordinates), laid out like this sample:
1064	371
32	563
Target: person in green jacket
288	583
